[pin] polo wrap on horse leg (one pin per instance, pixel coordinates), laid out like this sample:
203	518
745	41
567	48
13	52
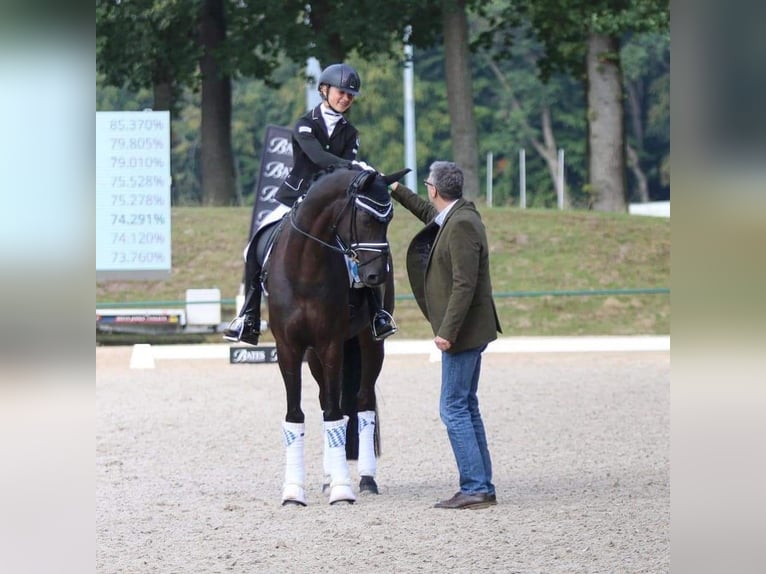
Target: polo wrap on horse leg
326	467
295	472
335	457
367	463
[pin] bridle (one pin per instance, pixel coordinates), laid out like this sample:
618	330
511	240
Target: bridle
355	200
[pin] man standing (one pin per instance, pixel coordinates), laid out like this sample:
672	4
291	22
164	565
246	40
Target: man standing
448	268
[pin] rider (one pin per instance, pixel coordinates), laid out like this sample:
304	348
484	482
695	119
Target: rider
322	138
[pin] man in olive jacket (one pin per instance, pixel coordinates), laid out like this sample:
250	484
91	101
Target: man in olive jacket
448	268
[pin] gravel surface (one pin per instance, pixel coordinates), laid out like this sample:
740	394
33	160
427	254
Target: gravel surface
189	468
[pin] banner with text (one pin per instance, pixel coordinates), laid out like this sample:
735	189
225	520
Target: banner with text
276	162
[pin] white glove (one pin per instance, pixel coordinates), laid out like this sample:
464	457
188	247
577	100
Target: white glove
363	165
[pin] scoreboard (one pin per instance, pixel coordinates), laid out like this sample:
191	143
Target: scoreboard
133	195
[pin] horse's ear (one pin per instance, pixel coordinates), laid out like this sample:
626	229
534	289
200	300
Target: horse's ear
396	176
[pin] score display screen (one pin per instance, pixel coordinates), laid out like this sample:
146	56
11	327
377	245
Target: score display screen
133	195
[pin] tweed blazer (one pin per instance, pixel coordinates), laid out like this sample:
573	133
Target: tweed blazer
448	269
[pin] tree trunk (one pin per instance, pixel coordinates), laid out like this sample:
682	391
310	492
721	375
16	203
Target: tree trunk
163	96
606	137
636	111
642	186
632	91
219	185
460	95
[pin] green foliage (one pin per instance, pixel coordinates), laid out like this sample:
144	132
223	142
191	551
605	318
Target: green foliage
269	87
511	100
563	26
646	72
144	42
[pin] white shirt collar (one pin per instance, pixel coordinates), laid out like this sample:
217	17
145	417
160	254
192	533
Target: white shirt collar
331	118
439	219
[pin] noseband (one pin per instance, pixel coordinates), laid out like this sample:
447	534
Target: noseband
355	200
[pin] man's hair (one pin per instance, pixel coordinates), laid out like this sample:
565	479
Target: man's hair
448	179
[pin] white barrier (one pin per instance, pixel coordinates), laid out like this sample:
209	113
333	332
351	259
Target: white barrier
637	343
652	208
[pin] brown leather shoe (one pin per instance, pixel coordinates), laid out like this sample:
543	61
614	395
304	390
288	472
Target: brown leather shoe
473	501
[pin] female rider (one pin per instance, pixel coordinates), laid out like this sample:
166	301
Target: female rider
322	138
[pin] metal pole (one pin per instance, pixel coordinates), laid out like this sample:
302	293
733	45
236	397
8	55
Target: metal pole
522	179
489	179
409	113
560	179
313	99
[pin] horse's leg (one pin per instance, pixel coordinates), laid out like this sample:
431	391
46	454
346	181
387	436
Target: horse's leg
352	372
293	427
315	365
331	356
372	353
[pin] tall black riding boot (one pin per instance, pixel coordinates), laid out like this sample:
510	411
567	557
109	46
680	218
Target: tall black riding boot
383	324
246	327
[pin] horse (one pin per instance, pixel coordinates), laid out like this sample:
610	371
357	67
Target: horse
333	239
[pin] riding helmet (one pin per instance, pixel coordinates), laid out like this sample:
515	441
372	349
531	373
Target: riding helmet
341	76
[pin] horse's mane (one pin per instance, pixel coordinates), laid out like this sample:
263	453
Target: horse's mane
325	171
375	190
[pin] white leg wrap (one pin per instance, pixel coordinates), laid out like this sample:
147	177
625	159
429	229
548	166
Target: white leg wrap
295	472
325	466
335	455
367	465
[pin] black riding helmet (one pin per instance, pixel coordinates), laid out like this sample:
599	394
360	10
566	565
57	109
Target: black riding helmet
343	77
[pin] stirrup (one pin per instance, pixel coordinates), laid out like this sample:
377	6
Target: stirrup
233	332
242	328
391	326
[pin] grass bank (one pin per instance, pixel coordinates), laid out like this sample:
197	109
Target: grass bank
531	251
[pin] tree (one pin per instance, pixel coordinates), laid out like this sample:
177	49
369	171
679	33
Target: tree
518	110
217	159
147	44
161	44
584	37
460	94
606	134
646	75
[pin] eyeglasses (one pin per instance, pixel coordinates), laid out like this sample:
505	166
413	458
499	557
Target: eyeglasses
428	183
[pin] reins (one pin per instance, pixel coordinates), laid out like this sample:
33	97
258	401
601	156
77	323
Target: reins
353	200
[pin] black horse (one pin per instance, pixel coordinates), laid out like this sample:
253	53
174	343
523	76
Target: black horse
331	242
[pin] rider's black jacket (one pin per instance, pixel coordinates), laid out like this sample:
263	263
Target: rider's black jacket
314	151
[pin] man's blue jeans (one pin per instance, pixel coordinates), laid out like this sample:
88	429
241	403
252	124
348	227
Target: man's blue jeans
459	410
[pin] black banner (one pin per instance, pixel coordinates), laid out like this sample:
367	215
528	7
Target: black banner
276	161
244	355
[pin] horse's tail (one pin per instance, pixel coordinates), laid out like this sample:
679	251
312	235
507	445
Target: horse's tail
352	436
352	374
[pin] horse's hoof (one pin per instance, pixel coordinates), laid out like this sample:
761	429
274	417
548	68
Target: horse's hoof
293	494
342	493
334	502
368	484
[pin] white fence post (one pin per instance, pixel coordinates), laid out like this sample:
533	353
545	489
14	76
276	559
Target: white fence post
560	179
409	112
522	179
489	179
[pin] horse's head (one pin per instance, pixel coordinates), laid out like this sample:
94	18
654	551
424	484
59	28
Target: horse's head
351	210
371	212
